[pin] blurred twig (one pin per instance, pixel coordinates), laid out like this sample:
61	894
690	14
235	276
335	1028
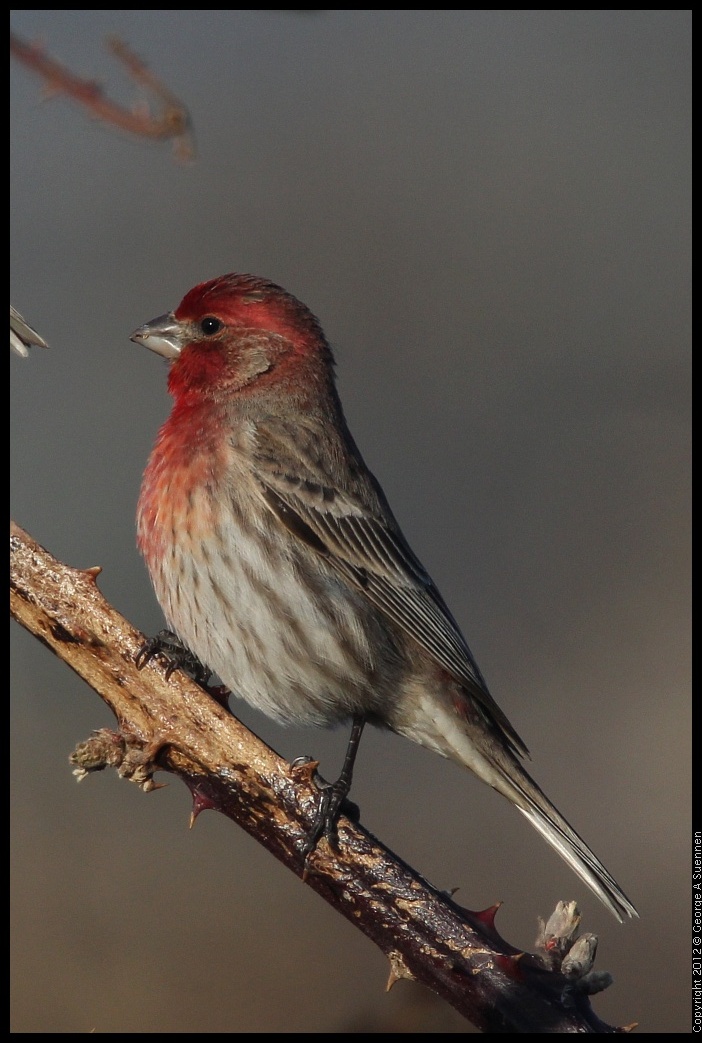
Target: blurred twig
176	726
170	122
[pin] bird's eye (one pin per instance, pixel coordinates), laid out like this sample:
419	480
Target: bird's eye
209	325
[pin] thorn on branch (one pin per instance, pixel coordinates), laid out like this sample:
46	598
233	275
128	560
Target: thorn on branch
487	917
398	970
202	801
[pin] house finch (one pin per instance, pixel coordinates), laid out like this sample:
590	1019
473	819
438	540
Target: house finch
278	563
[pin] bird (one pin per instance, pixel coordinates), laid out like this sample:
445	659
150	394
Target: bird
279	565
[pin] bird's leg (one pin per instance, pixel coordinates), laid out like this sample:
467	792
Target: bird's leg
334	794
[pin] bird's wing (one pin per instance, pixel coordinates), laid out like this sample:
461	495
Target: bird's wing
357	534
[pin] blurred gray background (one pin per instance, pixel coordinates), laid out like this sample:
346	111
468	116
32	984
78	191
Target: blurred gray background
489	213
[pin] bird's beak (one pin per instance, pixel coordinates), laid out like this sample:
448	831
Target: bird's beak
163	335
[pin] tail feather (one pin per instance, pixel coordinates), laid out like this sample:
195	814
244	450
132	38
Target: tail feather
475	741
544	817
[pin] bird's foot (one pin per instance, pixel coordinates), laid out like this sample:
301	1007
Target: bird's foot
177	656
332	802
332	797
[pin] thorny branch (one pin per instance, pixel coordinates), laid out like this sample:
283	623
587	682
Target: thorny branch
176	726
170	122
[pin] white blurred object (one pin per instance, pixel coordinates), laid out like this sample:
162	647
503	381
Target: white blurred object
22	336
